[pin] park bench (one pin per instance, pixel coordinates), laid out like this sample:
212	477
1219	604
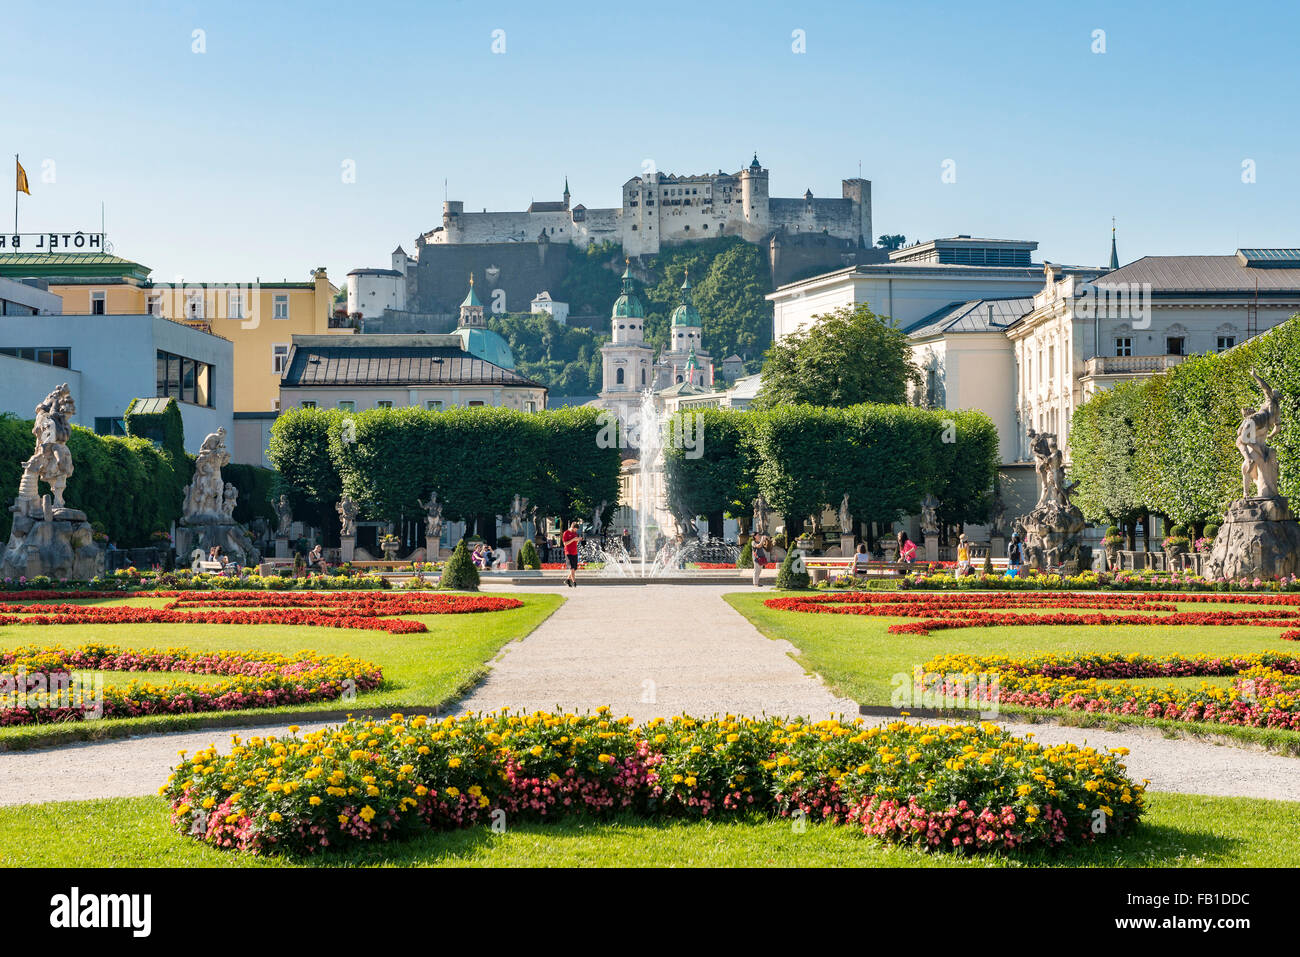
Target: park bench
820	568
210	568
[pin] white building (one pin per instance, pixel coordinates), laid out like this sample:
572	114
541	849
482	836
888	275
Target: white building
917	282
627	363
28	298
559	311
1139	320
109	360
371	291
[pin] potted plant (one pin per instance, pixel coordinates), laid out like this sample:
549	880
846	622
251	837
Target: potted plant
1112	542
390	544
1206	541
1176	544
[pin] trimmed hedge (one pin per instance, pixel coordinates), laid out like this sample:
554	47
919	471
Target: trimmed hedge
804	458
1166	444
127	485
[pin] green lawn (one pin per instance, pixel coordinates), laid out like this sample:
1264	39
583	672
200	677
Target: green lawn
419	670
1178	831
857	657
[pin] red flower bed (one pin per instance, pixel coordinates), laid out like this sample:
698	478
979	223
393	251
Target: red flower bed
257	679
1009	609
365	610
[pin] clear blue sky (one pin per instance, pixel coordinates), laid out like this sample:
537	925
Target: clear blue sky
226	165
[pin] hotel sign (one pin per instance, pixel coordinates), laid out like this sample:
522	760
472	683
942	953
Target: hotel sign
52	243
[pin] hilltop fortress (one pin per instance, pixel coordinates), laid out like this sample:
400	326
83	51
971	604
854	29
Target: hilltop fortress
519	255
663	208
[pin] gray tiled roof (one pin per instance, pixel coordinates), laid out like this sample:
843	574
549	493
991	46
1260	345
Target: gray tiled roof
395	366
976	315
1204	274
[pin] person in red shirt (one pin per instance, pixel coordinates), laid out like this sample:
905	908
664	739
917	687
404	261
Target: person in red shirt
570	539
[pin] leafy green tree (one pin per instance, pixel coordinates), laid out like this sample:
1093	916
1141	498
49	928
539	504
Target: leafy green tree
791	575
846	357
299	448
708	463
528	557
891	241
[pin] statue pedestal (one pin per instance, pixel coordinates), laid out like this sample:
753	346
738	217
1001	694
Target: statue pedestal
928	551
62	547
1258	538
847	546
516	543
997	547
282	547
347	548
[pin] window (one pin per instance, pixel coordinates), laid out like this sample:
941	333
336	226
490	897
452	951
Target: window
279	357
1124	346
97	302
530	406
1051	363
1174	345
280	306
234	305
53	356
347	405
1224	343
433	405
155	304
384	404
308	404
106	425
194	305
185	380
618	376
475	403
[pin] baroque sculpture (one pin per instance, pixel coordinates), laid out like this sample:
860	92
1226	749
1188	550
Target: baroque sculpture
930	514
348	513
846	519
762	514
47	537
432	520
1259	536
208	509
283	516
1052	530
518	514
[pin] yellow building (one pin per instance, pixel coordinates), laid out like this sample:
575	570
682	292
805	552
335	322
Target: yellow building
260	318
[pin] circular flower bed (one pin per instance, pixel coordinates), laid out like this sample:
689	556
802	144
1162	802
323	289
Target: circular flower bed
37	686
945	787
1264	692
368	610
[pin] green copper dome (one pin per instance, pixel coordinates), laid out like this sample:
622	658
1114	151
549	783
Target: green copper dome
471	298
627	306
487	345
686	314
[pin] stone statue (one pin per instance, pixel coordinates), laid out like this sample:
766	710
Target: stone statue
348	513
432	519
230	498
1052	530
597	523
208	511
1259	536
846	520
47	537
518	515
1258	460
203	496
930	513
761	515
51	462
283	516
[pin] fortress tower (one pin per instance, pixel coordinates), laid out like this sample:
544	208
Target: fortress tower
755	209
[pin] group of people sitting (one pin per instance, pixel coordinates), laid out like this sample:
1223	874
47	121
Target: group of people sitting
487	558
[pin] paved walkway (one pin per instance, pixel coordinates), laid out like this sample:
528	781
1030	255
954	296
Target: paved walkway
646	651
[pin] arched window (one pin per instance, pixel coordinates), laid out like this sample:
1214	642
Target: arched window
643	376
618	376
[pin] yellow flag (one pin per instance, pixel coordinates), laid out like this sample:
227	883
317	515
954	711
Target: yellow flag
22	179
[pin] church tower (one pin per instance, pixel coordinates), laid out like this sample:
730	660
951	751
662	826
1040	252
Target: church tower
471	310
626	360
685	360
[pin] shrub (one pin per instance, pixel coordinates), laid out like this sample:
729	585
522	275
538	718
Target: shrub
792	574
746	557
460	572
528	557
1211	531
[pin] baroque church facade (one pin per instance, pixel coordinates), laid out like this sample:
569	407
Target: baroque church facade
628	366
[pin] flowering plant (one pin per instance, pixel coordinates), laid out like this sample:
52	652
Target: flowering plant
961	788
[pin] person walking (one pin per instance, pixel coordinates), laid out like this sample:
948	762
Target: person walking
1015	555
760	551
570	540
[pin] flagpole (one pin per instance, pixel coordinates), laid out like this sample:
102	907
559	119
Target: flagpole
15	194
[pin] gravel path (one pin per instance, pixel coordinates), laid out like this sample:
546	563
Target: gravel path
647	651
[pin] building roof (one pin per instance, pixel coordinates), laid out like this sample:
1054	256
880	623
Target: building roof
375	272
49	265
1210	274
686	314
411	361
684	388
547	207
975	315
627	305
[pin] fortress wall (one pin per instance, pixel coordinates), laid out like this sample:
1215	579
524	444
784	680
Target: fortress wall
508	274
836	216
